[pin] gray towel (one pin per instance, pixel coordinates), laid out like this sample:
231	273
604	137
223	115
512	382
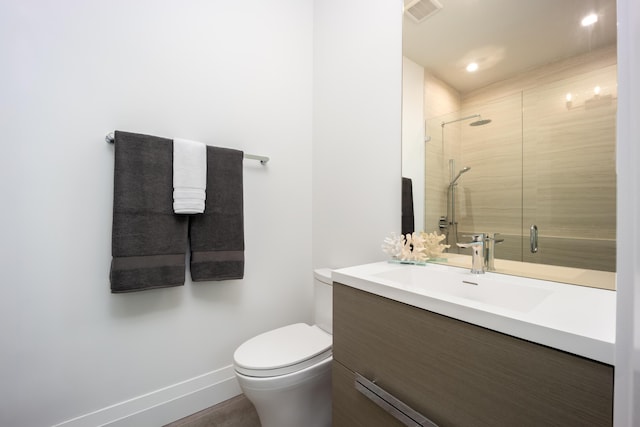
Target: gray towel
217	235
408	223
149	242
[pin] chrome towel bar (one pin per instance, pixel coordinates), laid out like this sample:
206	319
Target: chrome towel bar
110	138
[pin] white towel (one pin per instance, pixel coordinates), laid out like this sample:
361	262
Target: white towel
189	176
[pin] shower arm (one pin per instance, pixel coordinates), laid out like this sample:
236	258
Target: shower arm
473	116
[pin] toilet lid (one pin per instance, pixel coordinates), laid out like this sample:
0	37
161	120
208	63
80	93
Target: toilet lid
283	350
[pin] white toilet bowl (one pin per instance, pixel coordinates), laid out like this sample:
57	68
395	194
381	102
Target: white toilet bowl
295	395
286	372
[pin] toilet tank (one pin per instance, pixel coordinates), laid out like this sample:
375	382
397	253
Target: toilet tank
323	299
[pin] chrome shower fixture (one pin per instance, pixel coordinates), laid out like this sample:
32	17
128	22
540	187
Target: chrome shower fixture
478	122
454	180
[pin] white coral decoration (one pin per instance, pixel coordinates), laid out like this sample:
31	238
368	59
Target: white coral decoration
433	247
414	249
393	245
405	248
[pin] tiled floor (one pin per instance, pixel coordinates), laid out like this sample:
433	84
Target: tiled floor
235	412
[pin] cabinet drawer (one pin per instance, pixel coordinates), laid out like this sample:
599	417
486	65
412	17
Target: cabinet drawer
458	374
352	409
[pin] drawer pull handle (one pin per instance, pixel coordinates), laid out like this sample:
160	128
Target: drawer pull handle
400	410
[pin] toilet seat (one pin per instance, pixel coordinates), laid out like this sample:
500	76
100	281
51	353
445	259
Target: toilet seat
283	351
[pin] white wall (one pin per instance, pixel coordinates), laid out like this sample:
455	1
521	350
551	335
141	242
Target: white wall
356	129
235	74
413	143
627	372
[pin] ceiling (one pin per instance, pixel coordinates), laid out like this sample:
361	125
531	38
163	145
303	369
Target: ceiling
504	37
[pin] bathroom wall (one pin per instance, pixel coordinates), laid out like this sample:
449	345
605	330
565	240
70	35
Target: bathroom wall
627	372
572	205
356	129
413	144
439	99
234	74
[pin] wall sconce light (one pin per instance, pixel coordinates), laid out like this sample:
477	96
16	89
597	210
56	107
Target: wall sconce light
589	20
597	100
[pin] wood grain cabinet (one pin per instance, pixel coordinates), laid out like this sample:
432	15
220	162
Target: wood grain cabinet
455	373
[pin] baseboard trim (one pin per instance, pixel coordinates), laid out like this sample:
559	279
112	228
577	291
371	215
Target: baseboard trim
165	405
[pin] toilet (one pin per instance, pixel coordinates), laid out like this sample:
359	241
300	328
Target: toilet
286	372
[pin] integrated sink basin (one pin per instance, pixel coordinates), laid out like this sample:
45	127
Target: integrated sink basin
575	319
485	288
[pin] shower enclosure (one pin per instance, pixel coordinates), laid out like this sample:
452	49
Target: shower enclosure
449	223
541	172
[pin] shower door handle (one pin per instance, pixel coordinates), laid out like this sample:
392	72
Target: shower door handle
533	238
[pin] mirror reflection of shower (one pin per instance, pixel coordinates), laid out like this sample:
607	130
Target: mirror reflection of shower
479	122
449	223
451	228
463	170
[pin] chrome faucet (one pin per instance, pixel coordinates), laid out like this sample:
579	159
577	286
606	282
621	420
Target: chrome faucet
477	245
490	242
482	251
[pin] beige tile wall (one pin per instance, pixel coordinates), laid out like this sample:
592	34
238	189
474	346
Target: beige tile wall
440	101
539	161
491	192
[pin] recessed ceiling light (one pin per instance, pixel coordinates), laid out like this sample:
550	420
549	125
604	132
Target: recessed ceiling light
589	20
472	67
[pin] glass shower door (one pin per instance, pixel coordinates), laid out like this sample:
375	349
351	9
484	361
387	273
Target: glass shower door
486	158
568	171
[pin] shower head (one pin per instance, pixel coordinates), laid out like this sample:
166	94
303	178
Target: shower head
480	122
463	170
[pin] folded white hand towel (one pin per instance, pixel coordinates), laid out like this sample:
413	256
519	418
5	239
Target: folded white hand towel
189	207
189	176
188	193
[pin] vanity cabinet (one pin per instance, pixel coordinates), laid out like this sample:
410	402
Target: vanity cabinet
455	373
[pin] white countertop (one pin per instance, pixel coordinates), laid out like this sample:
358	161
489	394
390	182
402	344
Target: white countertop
575	319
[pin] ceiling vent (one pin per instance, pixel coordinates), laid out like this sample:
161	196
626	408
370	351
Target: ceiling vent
419	10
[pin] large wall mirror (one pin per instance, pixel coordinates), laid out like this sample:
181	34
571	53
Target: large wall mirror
523	142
